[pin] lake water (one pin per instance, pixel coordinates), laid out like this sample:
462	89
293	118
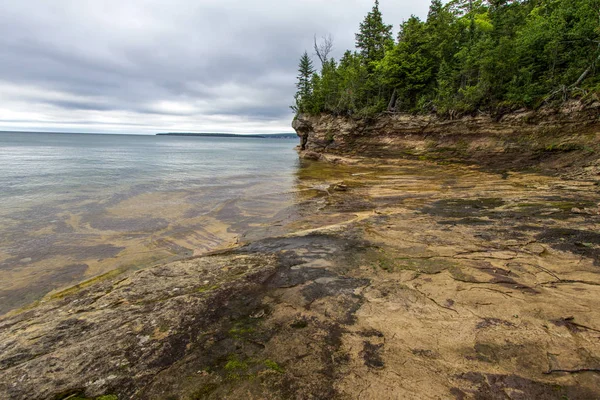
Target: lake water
74	206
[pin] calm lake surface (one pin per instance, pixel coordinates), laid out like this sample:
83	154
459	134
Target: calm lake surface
74	206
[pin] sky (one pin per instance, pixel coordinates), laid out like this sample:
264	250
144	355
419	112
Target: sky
147	66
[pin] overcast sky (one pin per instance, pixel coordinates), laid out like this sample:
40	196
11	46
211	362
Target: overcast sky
145	66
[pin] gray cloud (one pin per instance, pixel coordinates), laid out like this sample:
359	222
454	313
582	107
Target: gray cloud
142	66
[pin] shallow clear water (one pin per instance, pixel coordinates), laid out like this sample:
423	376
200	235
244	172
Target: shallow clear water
90	203
37	168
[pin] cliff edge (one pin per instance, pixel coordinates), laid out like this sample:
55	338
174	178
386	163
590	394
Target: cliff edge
548	140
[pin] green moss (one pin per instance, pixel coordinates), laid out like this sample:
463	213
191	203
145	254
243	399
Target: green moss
526	205
235	368
391	263
88	283
241	330
272	365
430	144
235	364
462	147
569	205
386	264
205	289
563	147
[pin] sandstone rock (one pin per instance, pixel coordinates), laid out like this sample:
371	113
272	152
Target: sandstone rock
311	155
302	124
406	275
514	141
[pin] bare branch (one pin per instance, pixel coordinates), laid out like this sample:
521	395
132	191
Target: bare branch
323	47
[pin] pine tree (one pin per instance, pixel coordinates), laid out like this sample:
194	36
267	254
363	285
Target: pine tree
468	56
304	85
407	68
374	36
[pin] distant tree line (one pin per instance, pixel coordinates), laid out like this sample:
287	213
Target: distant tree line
467	56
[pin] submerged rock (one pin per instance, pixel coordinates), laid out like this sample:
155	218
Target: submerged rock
422	281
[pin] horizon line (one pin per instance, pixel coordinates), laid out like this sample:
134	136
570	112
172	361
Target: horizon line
144	134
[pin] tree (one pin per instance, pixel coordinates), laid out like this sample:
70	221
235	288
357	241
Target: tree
304	85
326	89
441	31
323	48
374	36
353	76
407	68
468	56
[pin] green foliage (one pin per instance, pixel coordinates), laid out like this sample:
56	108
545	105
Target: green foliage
235	368
408	67
374	36
467	56
242	329
304	85
272	365
236	365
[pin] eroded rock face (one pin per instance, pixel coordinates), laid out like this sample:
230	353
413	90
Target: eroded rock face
311	155
301	123
549	138
303	126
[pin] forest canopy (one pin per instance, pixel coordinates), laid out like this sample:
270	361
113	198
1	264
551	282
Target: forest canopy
467	56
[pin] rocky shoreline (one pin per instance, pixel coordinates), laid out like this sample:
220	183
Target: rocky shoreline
399	275
548	140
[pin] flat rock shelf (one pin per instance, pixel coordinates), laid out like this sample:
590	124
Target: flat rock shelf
392	279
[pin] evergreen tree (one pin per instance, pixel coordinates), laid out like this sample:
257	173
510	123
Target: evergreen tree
373	36
407	68
468	56
304	85
326	90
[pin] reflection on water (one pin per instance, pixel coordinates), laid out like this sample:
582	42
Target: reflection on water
76	206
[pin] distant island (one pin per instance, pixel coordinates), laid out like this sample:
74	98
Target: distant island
221	135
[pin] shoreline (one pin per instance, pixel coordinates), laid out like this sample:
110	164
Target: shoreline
348	297
235	241
548	140
126	202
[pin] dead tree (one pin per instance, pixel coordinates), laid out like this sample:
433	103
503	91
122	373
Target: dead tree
323	47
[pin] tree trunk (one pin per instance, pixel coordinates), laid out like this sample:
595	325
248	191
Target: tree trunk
392	104
587	71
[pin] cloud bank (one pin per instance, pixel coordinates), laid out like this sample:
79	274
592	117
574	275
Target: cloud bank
146	66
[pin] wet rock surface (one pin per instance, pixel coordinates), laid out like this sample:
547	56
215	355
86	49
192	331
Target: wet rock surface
416	281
